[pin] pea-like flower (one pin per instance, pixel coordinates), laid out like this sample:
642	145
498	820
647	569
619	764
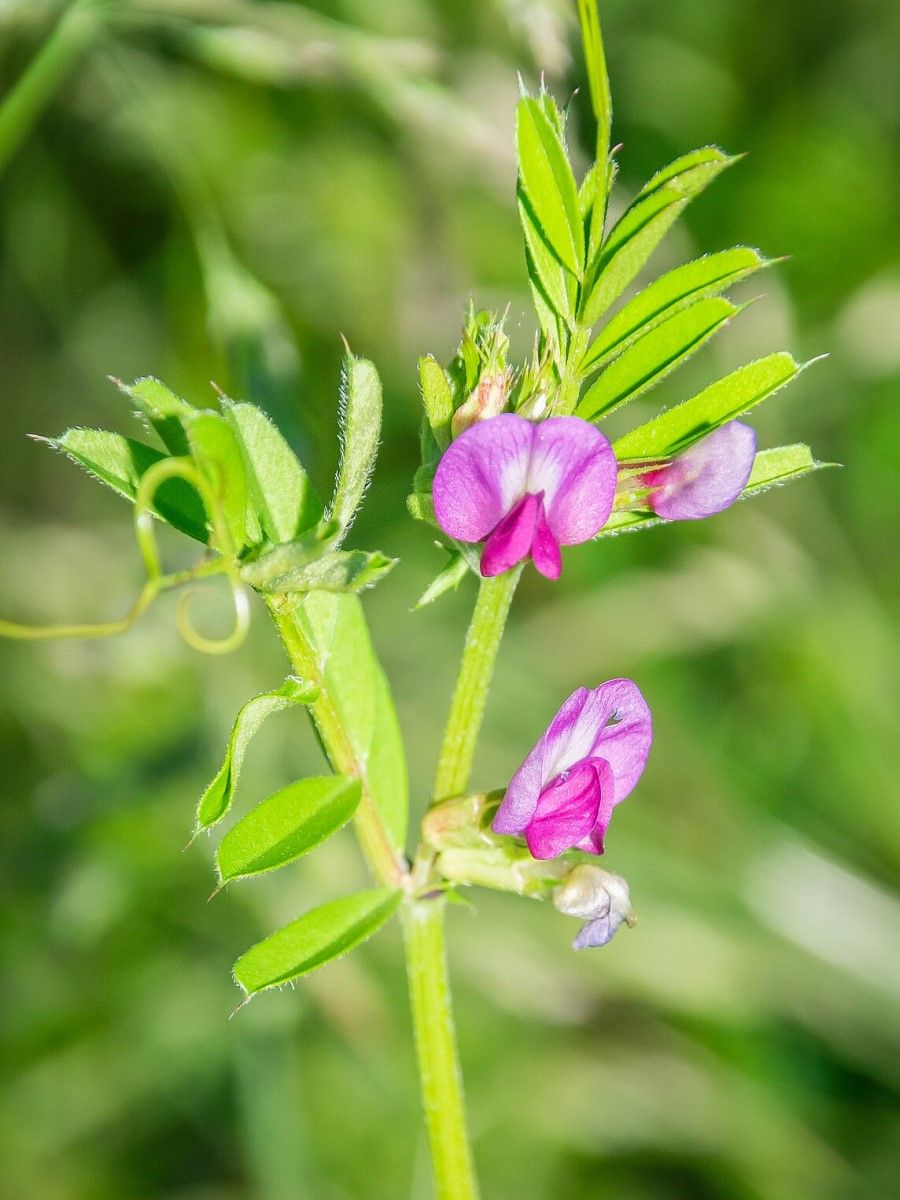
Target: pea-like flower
525	489
588	760
706	478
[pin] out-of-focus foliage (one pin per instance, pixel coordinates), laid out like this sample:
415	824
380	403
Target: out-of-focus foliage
216	189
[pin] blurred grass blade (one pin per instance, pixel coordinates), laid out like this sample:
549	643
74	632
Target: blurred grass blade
707	276
216	452
644	224
679	427
336	628
279	490
549	184
437	398
655	355
161	411
120	462
318	937
287	825
360	430
331	571
219	794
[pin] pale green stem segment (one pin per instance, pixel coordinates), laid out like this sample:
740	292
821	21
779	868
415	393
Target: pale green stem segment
33	91
472	683
439	1072
384	862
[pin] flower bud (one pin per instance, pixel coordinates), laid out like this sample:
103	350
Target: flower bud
487	400
462	821
598	895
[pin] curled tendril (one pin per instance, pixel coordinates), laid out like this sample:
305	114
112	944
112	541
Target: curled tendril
157	581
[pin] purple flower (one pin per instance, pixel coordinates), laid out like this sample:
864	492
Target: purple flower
706	478
525	489
589	759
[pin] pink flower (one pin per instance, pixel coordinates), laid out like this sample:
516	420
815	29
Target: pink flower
589	759
525	489
706	478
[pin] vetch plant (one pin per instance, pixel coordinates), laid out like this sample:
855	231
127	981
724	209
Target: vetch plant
513	469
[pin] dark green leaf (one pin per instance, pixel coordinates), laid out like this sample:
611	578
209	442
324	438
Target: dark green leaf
120	462
316	938
548	183
287	825
707	276
652	357
217	798
336	628
360	430
280	494
679	427
644	224
217	454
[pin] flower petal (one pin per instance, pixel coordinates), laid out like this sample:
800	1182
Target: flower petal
614	724
482	476
567	809
525	787
545	548
706	478
574	466
511	540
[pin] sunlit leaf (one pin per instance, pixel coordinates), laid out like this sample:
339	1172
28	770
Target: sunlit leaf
548	183
336	628
554	283
216	452
779	465
318	937
437	398
644	224
707	276
331	571
679	427
279	491
652	357
217	798
161	410
451	576
120	462
360	430
287	825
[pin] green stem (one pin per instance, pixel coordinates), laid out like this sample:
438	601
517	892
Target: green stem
472	683
384	862
439	1072
36	87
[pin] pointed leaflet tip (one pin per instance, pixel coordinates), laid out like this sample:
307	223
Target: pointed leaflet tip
811	361
347	349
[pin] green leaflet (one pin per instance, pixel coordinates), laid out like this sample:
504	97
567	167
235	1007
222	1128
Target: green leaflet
287	825
548	183
547	276
318	937
280	494
655	355
120	462
707	276
677	428
644	224
332	571
360	430
216	452
771	468
216	800
452	575
162	410
336	628
437	398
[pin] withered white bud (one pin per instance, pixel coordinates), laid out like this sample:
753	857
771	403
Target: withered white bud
598	895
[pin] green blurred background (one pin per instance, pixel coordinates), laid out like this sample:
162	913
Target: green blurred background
214	189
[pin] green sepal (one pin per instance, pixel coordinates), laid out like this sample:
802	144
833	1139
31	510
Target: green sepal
216	800
674	430
287	825
437	398
119	462
319	936
360	430
652	357
448	580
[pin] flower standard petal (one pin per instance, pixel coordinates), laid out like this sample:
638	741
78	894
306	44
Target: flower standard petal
707	478
481	476
567	809
525	787
574	466
614	724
